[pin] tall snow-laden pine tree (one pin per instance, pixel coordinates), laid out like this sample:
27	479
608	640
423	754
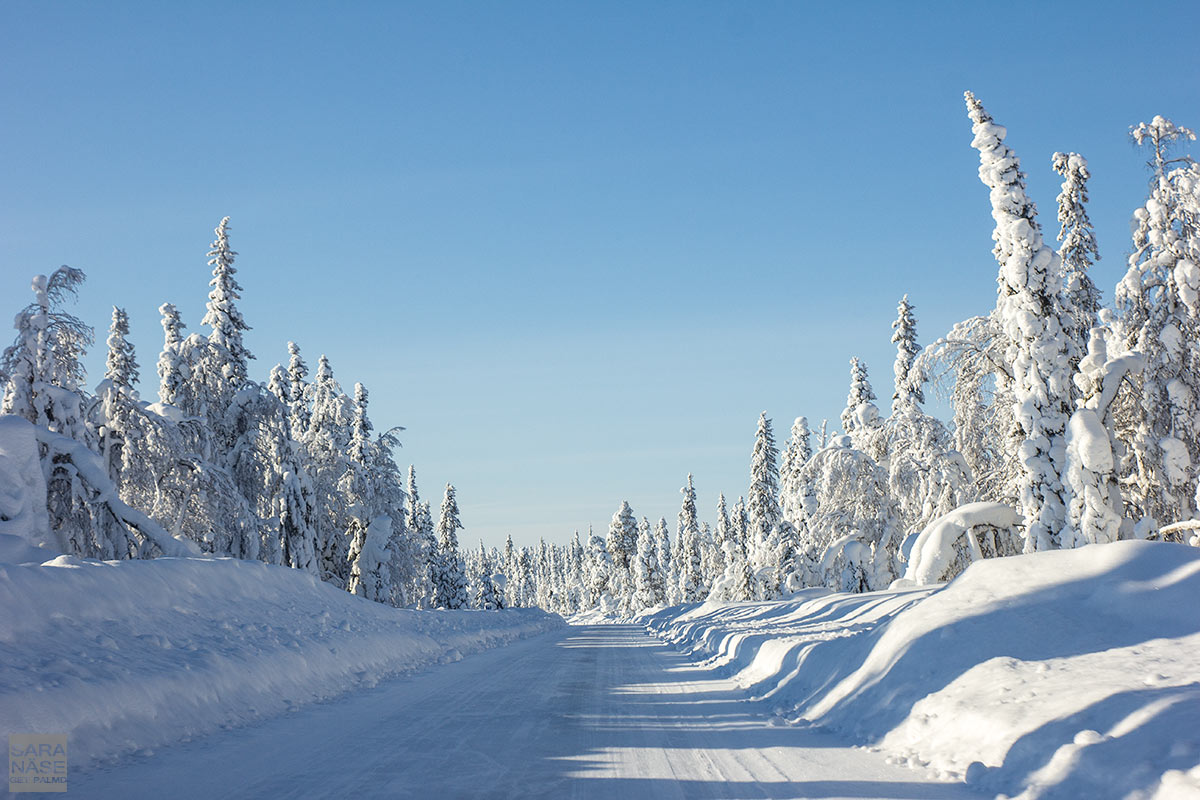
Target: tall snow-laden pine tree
368	561
450	581
117	396
1080	299
419	524
648	576
662	552
297	374
795	456
622	537
860	418
486	596
171	375
223	316
327	442
738	581
762	503
1159	303
909	385
1029	314
121	427
691	578
599	570
622	549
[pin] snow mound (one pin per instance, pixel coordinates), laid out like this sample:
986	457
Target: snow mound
965	535
129	655
1056	674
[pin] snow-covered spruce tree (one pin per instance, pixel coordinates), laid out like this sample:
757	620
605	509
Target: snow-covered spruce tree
599	571
223	316
406	559
926	476
369	529
720	541
1159	305
689	566
1094	506
795	455
326	443
762	506
1080	299
1029	314
737	581
711	561
419	524
121	426
171	367
712	556
576	575
860	418
648	578
543	576
297	376
215	390
116	396
486	596
622	547
525	590
909	383
511	599
289	492
662	551
449	580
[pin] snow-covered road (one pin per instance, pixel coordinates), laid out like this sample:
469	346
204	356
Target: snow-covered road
590	711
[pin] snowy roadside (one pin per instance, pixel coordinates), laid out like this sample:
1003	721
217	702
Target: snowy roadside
131	655
1070	673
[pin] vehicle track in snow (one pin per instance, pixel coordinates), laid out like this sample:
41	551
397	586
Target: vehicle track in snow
602	711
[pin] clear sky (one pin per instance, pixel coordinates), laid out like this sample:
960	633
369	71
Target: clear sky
574	248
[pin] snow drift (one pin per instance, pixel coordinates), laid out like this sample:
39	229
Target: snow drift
1059	674
125	656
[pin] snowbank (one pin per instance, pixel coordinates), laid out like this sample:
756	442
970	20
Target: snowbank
1059	674
126	656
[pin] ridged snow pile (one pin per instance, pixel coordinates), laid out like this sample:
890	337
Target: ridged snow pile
1071	673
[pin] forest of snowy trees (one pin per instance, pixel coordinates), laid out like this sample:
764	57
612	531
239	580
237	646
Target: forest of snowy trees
1073	423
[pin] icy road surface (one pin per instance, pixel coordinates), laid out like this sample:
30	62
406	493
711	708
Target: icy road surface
602	711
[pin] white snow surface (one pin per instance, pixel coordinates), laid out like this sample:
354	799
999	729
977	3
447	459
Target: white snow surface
1066	674
125	656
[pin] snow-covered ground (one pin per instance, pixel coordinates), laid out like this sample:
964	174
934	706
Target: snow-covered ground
128	656
1060	674
605	711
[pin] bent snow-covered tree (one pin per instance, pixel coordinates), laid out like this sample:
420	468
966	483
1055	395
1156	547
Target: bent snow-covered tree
1028	313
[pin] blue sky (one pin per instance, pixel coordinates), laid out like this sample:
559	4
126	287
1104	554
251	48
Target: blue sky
573	248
